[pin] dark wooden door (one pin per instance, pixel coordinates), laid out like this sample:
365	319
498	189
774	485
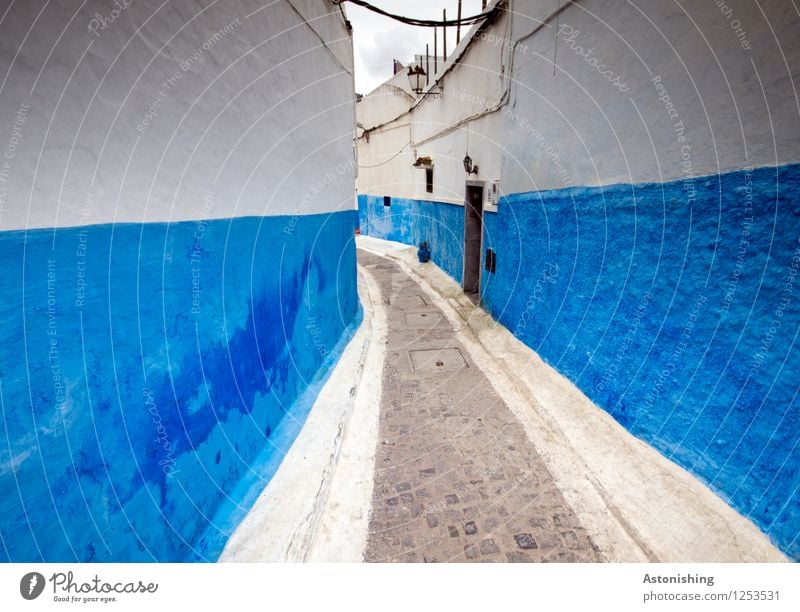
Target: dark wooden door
473	230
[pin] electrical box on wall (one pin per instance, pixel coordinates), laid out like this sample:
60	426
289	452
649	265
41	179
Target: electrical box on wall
493	193
490	263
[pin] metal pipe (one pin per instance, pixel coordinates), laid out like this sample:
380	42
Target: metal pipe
435	51
444	35
458	26
427	65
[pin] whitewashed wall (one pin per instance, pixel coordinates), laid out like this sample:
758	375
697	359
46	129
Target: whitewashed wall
385	102
464	89
384	154
641	92
734	90
735	95
173	111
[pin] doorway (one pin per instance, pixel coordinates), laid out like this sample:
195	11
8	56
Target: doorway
473	233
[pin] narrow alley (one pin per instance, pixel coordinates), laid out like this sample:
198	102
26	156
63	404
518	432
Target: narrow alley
374	284
439	437
456	478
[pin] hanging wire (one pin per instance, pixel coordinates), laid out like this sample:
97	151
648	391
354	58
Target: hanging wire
425	23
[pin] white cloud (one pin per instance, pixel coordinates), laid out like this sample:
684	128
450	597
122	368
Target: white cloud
377	40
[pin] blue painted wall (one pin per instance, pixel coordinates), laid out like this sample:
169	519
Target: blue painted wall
439	224
676	308
153	376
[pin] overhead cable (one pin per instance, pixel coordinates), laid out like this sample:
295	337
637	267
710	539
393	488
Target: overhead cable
425	23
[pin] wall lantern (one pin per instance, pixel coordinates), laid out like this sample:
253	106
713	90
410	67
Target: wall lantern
416	76
468	167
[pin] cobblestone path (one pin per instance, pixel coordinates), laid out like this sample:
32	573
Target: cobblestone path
456	478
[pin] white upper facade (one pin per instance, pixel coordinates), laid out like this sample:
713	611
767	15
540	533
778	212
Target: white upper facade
596	92
148	111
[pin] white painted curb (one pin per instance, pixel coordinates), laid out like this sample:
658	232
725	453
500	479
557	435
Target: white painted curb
637	505
316	506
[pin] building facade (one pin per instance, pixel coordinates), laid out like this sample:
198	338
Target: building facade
176	214
620	183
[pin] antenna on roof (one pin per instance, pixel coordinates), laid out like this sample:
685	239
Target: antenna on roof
458	27
444	35
435	51
427	65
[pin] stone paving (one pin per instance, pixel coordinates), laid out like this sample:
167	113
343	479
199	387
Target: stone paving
456	478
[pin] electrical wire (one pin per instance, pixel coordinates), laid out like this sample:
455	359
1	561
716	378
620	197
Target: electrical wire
506	96
424	23
466	120
383	163
400	89
493	11
502	101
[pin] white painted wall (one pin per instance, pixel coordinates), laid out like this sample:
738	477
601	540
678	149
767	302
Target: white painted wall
458	120
258	119
385	102
433	129
734	91
387	162
738	106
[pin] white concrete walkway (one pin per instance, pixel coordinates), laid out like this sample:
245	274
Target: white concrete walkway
635	504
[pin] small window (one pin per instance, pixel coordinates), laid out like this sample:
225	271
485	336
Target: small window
387	201
429	180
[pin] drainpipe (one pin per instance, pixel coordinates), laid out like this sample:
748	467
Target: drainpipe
444	35
427	65
458	27
435	51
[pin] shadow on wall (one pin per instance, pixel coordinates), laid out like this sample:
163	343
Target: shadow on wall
439	224
153	377
678	318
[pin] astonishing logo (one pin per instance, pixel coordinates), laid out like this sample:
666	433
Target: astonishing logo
31	585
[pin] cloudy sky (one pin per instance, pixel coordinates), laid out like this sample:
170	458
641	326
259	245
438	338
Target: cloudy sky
378	40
